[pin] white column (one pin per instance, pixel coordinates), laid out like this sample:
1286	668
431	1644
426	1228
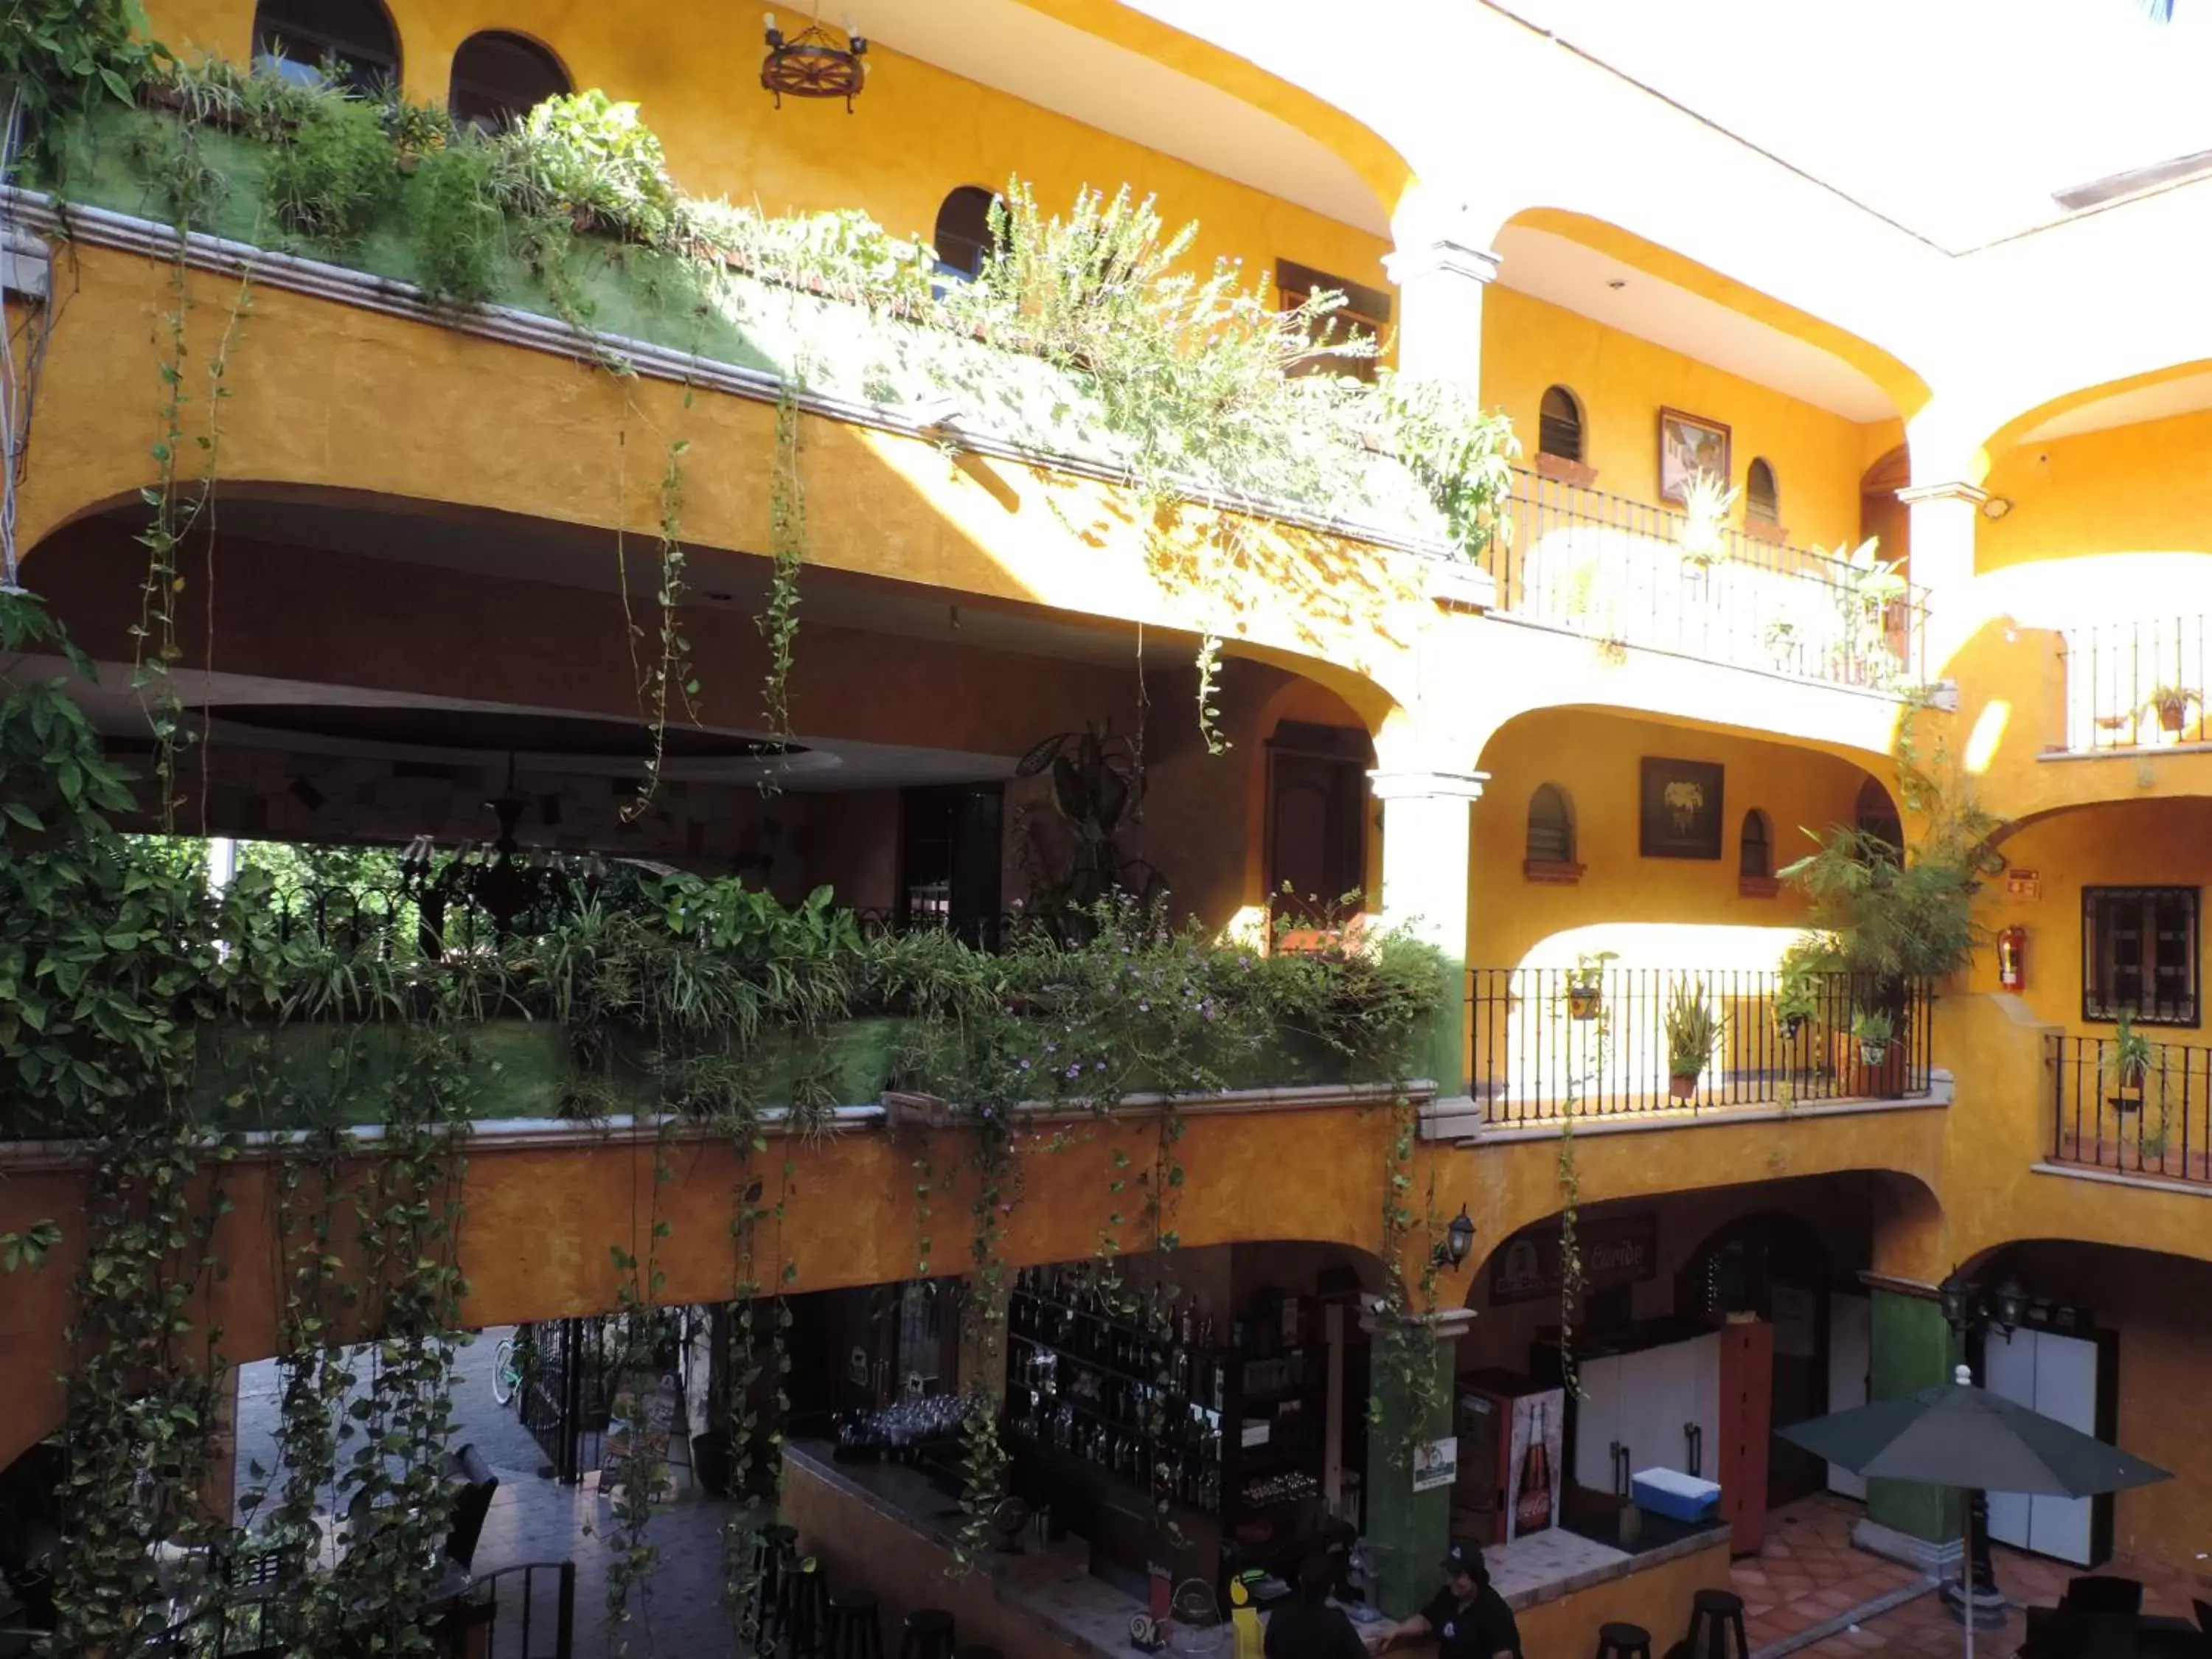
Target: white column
1427	820
1944	518
1440	282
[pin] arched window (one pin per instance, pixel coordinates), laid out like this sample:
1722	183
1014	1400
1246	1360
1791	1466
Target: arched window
1877	816
499	78
1755	851
297	37
1761	498
964	237
1560	424
1551	826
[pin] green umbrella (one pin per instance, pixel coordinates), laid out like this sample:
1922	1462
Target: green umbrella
1958	1435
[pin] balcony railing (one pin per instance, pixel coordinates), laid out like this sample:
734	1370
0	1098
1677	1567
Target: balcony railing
2156	1123
1537	1045
1619	571
2135	684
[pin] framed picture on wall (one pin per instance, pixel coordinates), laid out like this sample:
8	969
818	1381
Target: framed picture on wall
1689	445
1681	809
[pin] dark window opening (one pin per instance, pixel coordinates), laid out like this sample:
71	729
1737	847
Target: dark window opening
499	78
1364	315
1877	816
1560	424
1316	816
1762	499
952	859
1551	826
1755	853
296	38
964	239
2139	954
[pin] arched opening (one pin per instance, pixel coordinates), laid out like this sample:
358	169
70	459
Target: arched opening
297	38
500	77
1762	496
1755	858
1882	517
1560	424
1316	816
964	237
1877	815
1550	853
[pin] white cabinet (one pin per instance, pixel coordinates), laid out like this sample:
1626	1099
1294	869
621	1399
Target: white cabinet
2055	1375
1851	1350
1660	1406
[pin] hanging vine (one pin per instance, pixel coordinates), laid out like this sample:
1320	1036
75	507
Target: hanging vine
778	618
669	678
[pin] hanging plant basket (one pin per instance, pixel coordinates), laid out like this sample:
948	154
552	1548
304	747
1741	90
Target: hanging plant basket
1873	1051
1682	1085
1791	1025
2172	714
1584	1001
2127	1094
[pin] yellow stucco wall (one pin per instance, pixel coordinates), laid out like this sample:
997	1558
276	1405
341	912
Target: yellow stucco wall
915	134
2145	488
1623	381
1596	757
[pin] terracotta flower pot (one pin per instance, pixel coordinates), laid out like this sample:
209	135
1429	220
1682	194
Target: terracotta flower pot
1584	1001
1682	1085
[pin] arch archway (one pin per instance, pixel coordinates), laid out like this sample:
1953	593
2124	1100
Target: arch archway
300	36
499	77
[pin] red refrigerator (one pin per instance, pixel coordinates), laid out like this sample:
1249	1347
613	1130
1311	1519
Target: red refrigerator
1509	1481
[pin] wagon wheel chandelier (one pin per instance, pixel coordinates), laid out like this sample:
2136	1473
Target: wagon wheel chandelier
811	64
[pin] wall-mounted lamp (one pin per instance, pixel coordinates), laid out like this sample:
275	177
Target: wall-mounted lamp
1996	507
1458	1244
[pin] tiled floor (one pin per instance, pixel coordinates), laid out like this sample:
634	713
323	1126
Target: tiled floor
1809	1573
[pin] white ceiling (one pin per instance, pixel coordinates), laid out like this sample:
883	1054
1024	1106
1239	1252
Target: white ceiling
1005	46
2180	396
1571	274
1957	118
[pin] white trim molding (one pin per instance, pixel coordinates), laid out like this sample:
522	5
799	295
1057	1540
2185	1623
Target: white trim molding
1427	785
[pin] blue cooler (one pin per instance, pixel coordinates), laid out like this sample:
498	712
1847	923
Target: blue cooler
1677	1496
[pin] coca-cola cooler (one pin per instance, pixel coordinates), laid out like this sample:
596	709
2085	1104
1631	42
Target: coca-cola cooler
1508	1479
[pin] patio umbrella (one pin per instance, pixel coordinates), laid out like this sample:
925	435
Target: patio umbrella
1958	1435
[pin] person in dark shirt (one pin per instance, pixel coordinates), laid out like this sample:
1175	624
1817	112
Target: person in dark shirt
1309	1628
1469	1619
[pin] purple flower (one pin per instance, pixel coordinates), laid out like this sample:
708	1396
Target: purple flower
1143	1007
1025	1063
1075	1070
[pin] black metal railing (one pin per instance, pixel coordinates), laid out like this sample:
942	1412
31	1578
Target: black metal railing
2135	684
527	1611
1537	1040
566	1394
1625	573
2154	1121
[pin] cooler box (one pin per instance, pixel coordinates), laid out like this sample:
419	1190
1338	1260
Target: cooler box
1679	1497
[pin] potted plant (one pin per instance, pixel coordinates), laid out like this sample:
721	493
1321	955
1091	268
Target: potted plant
1586	984
1706	501
2171	704
2127	1062
1871	1029
1693	1033
1797	989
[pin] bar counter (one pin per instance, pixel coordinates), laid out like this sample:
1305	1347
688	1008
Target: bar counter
887	1529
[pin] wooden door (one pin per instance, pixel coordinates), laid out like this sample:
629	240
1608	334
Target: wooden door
1746	1421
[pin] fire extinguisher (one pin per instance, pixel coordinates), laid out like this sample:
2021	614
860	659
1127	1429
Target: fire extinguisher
2012	958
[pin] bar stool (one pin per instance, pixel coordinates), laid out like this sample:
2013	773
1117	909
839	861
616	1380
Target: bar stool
854	1632
1713	1612
1620	1640
773	1548
928	1635
803	1617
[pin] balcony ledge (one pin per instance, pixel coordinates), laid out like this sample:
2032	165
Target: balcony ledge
2121	1178
535	1134
2132	751
1939	1093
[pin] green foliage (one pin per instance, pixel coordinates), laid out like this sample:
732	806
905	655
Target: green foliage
592	158
334	174
455	222
1462	456
59	58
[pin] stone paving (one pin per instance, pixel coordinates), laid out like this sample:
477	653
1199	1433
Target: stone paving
536	1519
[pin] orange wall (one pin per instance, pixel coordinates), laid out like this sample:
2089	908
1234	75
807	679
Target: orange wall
1623	381
2146	487
916	132
2154	843
1596	757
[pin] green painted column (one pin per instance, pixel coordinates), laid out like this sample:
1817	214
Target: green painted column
1408	1531
1427	818
1912	1349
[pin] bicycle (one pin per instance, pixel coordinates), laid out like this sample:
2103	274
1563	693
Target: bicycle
506	1372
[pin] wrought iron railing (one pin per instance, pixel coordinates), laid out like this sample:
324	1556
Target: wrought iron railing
2136	685
2154	1119
1538	1042
1625	573
527	1611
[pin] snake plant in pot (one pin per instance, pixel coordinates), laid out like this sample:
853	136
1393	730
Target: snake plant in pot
1694	1035
2127	1062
